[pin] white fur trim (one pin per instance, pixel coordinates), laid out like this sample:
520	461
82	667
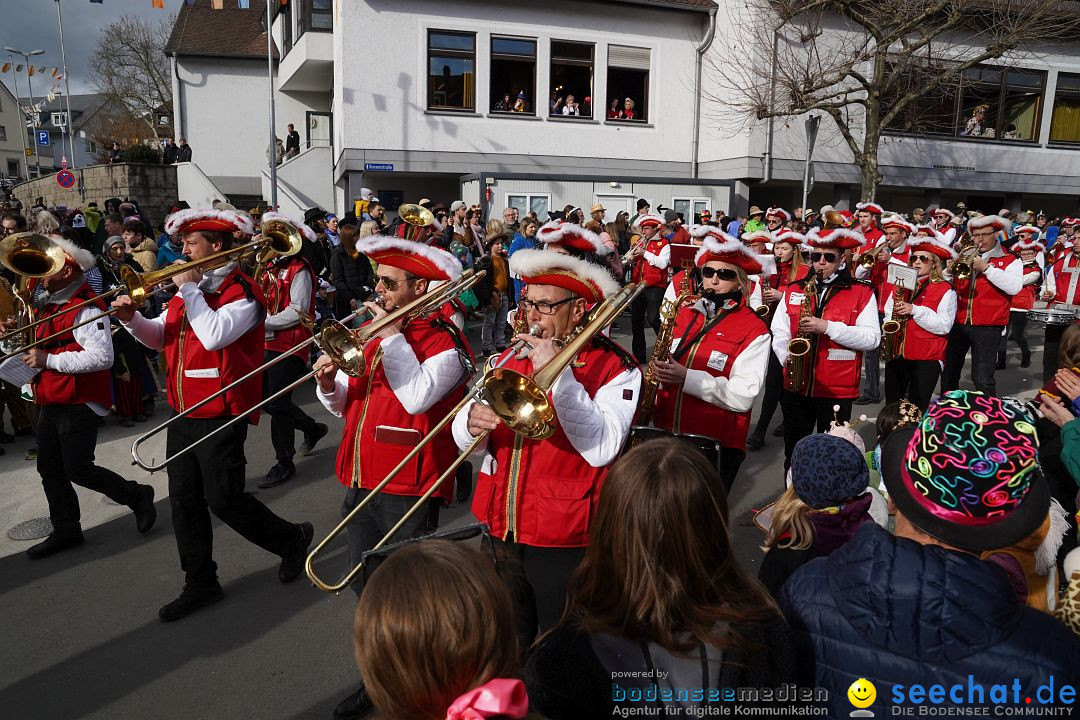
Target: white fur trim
768	264
559	231
439	257
306	231
83	258
892	219
814	239
528	263
1036	232
943	210
652	217
1035	244
720	243
757	236
936	240
178	218
987	220
790	236
870	206
1047	552
778	212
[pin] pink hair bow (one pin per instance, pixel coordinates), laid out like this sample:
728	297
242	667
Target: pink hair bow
501	697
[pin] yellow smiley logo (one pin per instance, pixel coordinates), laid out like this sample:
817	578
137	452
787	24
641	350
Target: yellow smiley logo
862	693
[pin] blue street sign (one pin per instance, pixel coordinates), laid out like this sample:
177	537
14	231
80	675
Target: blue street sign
380	167
43	137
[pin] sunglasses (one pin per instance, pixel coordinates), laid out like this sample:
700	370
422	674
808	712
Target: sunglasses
826	256
722	273
920	258
389	283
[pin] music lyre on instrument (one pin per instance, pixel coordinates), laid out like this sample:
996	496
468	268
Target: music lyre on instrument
519	400
283	237
344	346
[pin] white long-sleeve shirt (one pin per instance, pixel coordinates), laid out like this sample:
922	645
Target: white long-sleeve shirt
97	352
299	301
595	426
214	328
738	391
938	322
864	335
1070	276
1009	279
661	259
417	385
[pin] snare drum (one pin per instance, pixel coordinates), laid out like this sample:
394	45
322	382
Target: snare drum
1052	316
708	446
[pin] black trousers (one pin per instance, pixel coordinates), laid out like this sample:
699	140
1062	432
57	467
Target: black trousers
774	383
67	436
537	577
645	308
911	379
286	417
730	461
983	341
376	519
1017	327
209	479
1051	346
806	415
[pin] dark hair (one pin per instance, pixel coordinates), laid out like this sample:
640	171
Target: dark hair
213	236
115	217
20	221
659	560
1069	350
347	237
434	621
887	420
135	225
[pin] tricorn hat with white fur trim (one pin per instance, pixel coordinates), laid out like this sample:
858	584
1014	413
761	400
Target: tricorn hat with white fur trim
870	207
306	231
779	212
995	221
758	236
721	247
935	243
425	261
83	259
892	220
839	238
1033	244
194	219
585	279
1028	229
573	236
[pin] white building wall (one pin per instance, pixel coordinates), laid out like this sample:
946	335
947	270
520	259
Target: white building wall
11	149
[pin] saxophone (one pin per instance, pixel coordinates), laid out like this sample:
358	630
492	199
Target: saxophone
669	310
797	375
892	331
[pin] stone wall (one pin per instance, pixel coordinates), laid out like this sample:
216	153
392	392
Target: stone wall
153	186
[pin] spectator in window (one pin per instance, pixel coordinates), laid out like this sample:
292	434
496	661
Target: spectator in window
628	109
503	105
292	142
614	113
974	126
656	597
183	152
555	104
571	107
351	271
1010	132
520	104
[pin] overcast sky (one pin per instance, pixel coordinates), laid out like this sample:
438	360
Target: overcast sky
29	25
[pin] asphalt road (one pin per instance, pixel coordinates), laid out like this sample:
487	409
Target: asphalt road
80	633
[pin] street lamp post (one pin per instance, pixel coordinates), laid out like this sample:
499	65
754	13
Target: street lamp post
22	120
67	88
30	89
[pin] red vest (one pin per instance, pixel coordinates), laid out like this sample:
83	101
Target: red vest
837	377
195	373
277	284
1025	299
715	353
872	237
643	270
982	302
59	388
779	281
1064	268
879	276
379	432
921	344
543	491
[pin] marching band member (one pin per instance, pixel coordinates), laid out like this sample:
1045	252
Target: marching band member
212	334
892	248
1029	248
926	320
791	267
867	214
289	285
537	495
413	377
842	325
760	244
719	355
982	307
1062	286
651	258
943	218
776	219
72	390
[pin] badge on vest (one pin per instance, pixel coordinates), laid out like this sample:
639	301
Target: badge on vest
796	298
282	273
202	373
840	354
717	360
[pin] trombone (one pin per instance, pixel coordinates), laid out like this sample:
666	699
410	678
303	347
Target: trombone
344	346
520	401
281	237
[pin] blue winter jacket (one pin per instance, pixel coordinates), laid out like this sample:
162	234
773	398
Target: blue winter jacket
902	615
520	242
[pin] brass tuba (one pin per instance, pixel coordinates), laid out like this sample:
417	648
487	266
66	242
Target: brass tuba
30	256
417	217
798	365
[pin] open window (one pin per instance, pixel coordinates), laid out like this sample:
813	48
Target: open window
513	75
571	79
628	83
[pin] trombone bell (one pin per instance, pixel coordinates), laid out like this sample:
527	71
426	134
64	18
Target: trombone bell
283	237
520	403
342	346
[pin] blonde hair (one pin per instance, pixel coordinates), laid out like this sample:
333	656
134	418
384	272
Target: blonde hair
45	223
790	527
368	227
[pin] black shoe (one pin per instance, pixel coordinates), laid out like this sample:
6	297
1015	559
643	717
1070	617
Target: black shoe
145	512
863	400
355	706
53	544
292	562
277	475
1001	361
127	422
1025	361
310	439
779	431
756	440
190	600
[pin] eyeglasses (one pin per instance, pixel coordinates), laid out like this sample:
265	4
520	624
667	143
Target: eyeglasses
826	256
722	273
983	235
544	308
920	258
390	283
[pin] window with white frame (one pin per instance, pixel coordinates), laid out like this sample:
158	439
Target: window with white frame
451	70
59	118
690	208
3	134
628	83
571	79
530	202
513	75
